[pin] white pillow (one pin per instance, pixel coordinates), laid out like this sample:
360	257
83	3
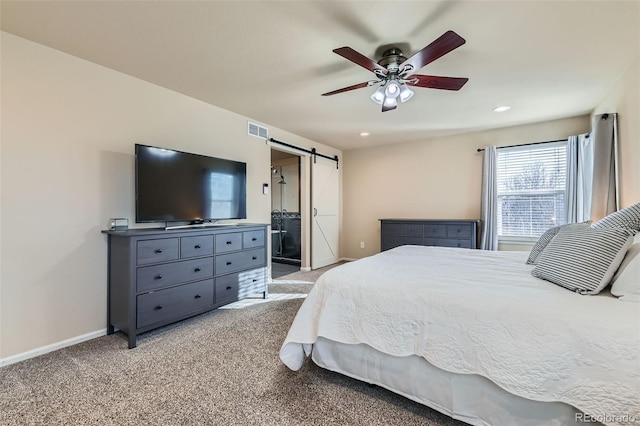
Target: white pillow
626	281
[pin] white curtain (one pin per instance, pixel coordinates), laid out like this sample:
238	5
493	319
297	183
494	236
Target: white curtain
489	240
579	178
604	135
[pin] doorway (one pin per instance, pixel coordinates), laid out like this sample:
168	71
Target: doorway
286	217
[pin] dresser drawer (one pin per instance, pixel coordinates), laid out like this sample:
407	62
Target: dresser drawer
158	276
459	231
232	262
392	228
228	242
391	242
196	246
166	305
154	251
435	230
251	239
412	230
447	242
227	288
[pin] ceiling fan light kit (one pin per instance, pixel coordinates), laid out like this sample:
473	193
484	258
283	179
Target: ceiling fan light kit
395	72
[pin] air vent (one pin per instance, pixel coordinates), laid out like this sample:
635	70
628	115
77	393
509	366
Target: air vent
258	131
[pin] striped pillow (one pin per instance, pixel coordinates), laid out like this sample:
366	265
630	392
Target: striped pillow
546	239
628	218
583	259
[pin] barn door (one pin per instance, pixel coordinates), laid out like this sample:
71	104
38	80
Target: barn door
325	205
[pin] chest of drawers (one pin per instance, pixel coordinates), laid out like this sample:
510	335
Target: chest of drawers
424	232
158	277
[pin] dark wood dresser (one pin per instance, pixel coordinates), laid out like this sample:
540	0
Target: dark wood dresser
426	232
157	277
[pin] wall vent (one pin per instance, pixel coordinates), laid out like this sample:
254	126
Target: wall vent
257	130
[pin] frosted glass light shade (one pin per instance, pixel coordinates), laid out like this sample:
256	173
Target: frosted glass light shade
392	90
390	102
378	95
405	93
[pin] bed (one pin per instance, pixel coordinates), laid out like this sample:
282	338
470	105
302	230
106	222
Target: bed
474	335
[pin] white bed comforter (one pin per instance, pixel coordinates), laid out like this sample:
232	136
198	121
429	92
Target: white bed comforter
481	312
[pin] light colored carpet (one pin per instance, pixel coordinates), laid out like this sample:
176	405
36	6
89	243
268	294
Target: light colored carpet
219	368
306	276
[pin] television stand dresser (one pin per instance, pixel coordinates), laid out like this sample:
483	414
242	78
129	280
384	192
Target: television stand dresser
157	277
425	232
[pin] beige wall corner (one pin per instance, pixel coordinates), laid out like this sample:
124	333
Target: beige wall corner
624	99
434	179
67	156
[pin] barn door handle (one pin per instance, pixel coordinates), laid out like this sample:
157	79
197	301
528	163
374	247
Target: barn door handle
315	212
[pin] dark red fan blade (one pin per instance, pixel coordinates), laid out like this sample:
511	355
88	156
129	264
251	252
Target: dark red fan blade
358	58
346	89
439	47
386	108
436	82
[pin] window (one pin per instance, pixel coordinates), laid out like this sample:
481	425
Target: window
532	189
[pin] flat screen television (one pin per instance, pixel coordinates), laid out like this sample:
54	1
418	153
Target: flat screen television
175	186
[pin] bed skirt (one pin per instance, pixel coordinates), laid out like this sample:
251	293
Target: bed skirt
467	397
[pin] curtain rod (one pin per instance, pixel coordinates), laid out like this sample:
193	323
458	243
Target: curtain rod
524	144
311	151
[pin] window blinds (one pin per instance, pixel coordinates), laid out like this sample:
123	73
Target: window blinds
532	188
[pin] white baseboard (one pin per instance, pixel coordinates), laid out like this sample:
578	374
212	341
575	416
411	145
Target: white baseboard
347	259
52	347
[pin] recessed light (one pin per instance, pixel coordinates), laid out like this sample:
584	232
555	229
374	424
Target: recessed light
363	134
502	108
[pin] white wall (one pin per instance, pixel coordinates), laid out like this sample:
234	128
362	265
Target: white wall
67	157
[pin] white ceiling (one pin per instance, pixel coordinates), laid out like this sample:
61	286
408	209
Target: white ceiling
271	60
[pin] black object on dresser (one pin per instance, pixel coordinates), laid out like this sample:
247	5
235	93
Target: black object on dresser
157	277
424	232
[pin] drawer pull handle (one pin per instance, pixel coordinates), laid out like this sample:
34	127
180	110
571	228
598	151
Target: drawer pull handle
158	251
254	258
197	296
228	263
197	246
197	270
228	287
229	243
157	308
254	239
157	277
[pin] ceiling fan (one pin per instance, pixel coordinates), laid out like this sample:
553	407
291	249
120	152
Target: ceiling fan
395	72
